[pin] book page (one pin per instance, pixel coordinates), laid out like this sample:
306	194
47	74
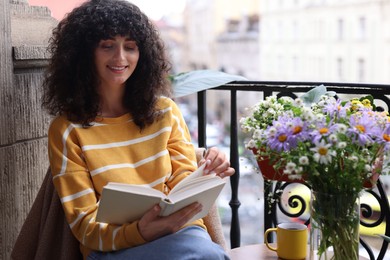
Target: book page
197	182
197	173
205	194
135	188
196	186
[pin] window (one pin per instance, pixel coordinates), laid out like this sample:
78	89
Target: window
362	28
253	25
280	63
340	29
295	33
295	68
361	70
321	29
340	69
233	25
280	30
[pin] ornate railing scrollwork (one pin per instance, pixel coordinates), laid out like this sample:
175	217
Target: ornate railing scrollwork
370	218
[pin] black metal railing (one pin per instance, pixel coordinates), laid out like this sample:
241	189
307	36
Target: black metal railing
379	92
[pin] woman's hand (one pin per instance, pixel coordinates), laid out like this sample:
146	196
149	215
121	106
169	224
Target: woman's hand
151	226
217	163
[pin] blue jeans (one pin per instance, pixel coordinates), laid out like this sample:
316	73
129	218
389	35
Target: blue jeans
190	243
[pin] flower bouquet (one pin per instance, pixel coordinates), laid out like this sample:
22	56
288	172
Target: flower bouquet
333	146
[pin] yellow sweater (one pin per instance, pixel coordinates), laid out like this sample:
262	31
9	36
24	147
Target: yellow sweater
83	160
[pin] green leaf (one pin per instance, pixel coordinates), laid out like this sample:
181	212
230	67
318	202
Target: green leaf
371	99
314	95
198	80
384	237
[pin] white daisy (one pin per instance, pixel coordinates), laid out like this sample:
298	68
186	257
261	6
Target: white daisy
323	154
304	160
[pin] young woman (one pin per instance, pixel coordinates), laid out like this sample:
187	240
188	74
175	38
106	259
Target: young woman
114	121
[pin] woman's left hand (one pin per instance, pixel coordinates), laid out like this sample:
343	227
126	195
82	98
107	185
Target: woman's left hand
217	163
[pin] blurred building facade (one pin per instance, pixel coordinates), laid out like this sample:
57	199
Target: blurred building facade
325	40
238	49
288	40
173	37
213	26
222	35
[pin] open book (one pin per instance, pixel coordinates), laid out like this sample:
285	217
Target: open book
123	203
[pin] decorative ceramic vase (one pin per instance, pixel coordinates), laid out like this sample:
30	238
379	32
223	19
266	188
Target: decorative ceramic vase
334	226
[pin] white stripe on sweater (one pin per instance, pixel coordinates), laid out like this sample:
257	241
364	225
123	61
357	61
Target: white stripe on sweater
126	143
77	195
156	182
178	157
64	149
182	157
101	226
91	220
128	165
114	232
80	216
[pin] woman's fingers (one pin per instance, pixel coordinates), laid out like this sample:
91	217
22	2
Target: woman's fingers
218	163
151	226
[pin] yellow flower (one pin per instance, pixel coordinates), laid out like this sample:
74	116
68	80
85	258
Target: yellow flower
366	103
355	103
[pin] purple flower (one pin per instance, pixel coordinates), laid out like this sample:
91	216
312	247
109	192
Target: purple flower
335	109
278	135
363	127
279	141
298	131
286	132
385	137
321	130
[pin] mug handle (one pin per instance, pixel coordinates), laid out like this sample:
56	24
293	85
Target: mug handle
266	240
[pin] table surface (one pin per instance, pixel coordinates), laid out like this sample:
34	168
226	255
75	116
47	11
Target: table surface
259	251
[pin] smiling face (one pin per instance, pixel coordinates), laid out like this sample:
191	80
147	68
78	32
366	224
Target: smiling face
115	60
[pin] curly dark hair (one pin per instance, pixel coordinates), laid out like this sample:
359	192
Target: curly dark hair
71	80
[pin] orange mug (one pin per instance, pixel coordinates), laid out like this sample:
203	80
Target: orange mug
291	240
